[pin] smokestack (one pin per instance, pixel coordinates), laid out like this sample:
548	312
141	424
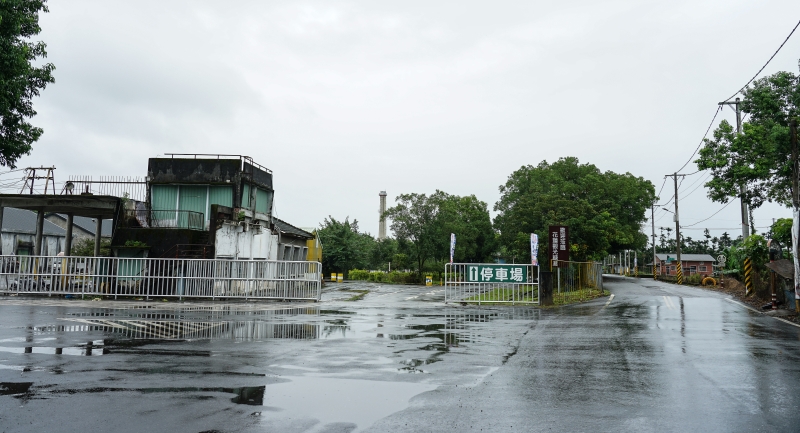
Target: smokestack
382	220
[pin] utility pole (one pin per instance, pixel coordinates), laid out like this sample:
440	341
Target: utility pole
653	225
795	212
679	268
742	188
31	177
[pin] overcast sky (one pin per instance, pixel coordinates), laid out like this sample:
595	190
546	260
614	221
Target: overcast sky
345	99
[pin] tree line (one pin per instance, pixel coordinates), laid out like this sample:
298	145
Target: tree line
604	211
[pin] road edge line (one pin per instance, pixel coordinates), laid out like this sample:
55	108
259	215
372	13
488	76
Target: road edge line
761	313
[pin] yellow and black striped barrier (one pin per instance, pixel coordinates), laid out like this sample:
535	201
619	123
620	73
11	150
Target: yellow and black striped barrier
680	274
655	274
748	277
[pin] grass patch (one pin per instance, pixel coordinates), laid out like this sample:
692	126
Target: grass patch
574	296
505	295
359	294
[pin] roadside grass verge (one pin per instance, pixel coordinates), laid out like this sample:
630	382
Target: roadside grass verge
575	296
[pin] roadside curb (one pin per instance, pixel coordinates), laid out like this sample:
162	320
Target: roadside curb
760	312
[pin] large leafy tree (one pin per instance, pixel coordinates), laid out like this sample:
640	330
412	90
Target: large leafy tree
20	80
344	247
414	223
423	223
468	218
604	210
759	158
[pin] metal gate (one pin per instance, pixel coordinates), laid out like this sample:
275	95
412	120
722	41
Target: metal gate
163	278
491	283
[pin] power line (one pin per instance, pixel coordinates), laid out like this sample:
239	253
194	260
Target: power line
718	228
662	187
702	140
695	189
765	64
712	215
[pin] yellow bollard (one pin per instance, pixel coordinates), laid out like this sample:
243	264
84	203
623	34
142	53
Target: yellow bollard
748	277
339	278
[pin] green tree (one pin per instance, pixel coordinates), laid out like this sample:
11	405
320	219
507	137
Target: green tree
468	218
344	248
604	210
383	251
781	231
760	157
85	247
422	225
20	80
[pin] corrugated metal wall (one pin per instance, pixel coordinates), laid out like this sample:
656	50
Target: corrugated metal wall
192	198
246	196
263	199
221	195
164	197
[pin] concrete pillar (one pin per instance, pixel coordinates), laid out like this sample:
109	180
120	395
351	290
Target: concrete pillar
37	246
545	288
382	220
68	240
97	234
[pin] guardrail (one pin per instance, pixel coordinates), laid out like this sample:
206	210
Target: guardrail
161	278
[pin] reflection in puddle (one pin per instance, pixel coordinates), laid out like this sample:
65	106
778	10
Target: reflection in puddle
321	398
73	351
191	330
13	388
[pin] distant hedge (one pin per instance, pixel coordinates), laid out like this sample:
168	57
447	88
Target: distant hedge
383	277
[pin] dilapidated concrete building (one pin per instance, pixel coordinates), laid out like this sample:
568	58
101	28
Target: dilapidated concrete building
210	206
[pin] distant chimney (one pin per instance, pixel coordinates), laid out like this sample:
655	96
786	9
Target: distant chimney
382	220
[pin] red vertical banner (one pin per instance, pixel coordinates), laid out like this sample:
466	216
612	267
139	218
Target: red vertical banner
559	245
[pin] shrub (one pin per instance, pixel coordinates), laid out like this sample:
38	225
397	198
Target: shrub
395	277
358	274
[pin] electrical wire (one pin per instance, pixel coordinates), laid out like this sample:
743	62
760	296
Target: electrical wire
719	228
765	64
719	107
662	187
698	222
683	196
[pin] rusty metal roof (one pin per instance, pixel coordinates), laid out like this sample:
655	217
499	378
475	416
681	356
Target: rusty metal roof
783	267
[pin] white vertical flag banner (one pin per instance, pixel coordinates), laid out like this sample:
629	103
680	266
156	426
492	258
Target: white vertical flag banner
452	246
534	249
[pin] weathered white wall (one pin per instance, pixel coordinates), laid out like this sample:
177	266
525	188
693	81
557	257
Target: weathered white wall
51	245
232	241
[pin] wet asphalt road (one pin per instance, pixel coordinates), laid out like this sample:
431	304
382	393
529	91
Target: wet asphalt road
655	357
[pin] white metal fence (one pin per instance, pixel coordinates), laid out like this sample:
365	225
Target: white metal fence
161	278
460	285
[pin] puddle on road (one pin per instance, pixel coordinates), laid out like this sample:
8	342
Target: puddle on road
71	351
321	398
